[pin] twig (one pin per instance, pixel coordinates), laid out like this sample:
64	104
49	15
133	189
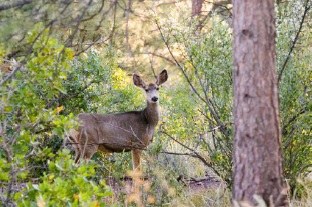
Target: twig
178	153
11	5
79	20
208	101
10	75
89	46
128	10
193	154
151	60
209	104
292	119
159	56
96	13
177	63
306	9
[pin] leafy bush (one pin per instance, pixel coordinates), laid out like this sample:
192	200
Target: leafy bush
65	183
33	124
295	95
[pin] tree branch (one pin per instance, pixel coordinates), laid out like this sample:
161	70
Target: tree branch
177	63
294	42
193	154
208	103
159	56
16	67
96	13
11	5
78	22
292	119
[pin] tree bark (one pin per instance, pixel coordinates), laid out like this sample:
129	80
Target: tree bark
257	151
196	7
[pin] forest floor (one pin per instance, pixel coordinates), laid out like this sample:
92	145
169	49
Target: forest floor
203	183
192	184
201	191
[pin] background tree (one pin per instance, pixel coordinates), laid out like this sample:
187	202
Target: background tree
257	141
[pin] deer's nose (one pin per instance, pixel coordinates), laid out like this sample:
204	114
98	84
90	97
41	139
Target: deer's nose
154	99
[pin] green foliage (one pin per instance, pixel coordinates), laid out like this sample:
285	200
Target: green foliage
295	97
87	84
201	117
66	184
32	125
123	95
179	109
97	84
211	70
61	18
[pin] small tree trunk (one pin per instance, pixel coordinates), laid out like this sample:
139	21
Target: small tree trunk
257	151
196	7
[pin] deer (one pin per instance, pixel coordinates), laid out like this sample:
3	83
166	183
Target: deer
120	132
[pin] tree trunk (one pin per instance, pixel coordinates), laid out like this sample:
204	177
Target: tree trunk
257	151
196	7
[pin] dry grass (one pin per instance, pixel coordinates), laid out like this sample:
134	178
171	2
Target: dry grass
159	191
214	197
217	195
201	196
306	200
220	197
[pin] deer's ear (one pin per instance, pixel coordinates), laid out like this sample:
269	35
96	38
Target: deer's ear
137	80
162	77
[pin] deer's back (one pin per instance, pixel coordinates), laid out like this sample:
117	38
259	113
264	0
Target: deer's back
115	132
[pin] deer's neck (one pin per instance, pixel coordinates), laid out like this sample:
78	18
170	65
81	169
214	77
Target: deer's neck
151	113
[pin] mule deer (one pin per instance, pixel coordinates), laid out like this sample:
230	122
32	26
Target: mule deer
129	131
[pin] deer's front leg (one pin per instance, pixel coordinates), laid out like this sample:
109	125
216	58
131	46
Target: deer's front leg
136	175
136	159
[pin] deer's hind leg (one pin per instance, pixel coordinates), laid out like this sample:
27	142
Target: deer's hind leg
88	147
87	151
73	139
77	155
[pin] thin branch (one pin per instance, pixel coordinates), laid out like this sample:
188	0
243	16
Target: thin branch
99	40
79	20
114	23
292	119
159	56
151	60
193	154
113	4
209	104
307	7
177	63
11	5
96	13
208	101
128	10
29	48
178	153
10	75
89	46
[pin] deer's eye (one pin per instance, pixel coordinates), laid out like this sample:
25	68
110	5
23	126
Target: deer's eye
146	90
157	89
